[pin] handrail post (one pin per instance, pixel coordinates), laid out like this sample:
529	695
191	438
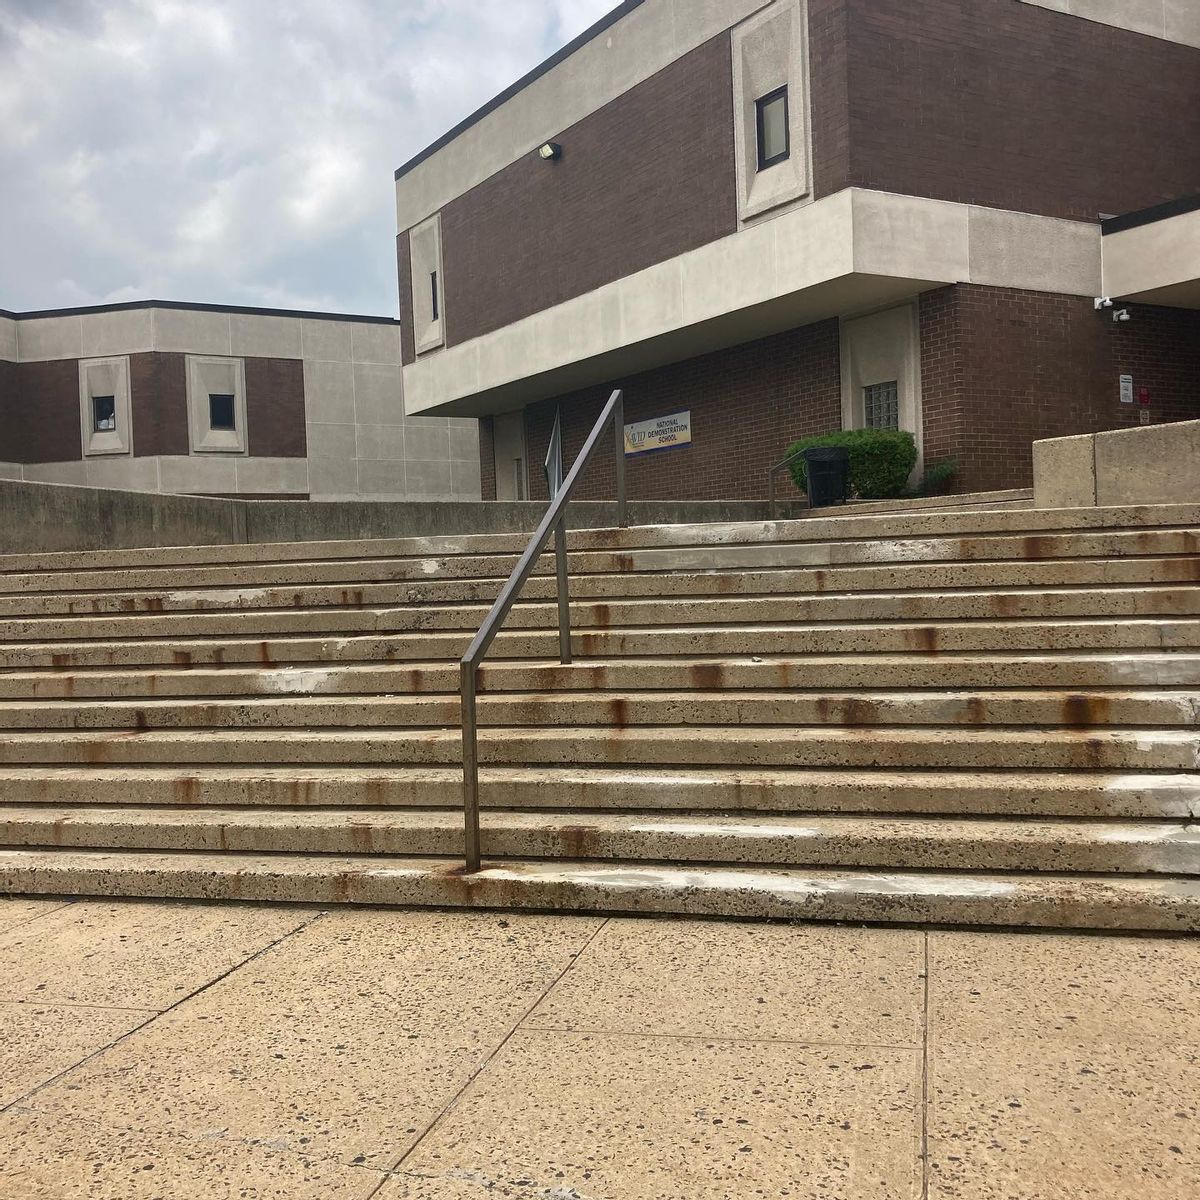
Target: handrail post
564	591
619	422
470	756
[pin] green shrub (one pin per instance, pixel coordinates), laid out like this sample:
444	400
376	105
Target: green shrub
881	460
937	478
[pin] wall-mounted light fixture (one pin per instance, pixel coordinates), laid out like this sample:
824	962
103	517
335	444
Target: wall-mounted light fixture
550	151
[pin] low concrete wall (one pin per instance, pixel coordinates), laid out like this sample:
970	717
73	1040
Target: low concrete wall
1152	464
50	516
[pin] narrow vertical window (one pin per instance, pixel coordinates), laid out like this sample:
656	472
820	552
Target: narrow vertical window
221	412
104	414
774	134
881	405
433	290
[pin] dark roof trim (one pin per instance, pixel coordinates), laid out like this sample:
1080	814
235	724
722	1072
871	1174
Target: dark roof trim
133	305
1148	216
605	22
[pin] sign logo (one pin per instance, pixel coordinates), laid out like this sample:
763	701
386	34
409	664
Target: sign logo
660	433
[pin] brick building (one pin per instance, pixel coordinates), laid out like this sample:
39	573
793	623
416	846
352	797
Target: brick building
205	400
784	217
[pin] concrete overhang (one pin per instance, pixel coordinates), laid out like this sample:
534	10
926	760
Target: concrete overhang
848	253
1155	262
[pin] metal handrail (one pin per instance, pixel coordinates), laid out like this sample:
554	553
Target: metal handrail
554	522
779	466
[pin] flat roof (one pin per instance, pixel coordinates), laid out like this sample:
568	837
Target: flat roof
1148	216
132	305
605	22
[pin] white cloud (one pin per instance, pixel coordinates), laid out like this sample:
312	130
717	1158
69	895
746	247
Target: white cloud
230	150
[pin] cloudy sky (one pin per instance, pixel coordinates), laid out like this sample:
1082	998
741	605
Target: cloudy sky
235	151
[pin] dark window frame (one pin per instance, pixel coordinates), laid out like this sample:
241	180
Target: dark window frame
760	107
212	416
96	418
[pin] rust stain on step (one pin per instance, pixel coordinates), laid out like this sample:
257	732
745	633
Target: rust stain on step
1086	711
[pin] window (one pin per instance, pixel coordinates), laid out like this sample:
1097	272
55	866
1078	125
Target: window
104	414
774	137
221	413
881	405
433	287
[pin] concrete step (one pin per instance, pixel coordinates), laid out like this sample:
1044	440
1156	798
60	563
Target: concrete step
923	897
983	748
801	840
849	525
1090	794
1057	603
618	710
1153	543
694	642
1063	671
894	578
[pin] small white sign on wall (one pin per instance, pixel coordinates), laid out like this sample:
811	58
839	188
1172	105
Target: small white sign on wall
661	433
1126	389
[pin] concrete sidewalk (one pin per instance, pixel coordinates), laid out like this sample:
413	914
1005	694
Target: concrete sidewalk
155	1051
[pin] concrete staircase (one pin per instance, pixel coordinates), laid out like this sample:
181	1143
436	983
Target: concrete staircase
978	717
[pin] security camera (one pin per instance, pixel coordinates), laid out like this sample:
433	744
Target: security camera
1103	302
1122	314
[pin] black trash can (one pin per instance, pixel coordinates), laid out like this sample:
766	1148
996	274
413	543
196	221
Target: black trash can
828	469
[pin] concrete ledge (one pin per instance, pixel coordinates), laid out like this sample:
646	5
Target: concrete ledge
1154	464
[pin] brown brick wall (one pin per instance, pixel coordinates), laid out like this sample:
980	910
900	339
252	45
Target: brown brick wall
1003	368
275	408
158	399
830	98
748	405
1006	104
487	458
643	179
41	413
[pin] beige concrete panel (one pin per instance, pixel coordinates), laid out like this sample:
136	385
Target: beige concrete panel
651	303
1155	464
1183	22
255	336
328	392
816	244
68	1158
375	343
425	260
16	910
464	440
11	471
288	475
187	332
1092	1121
330	478
341	1042
425	443
911	237
1152	256
1040	254
641	1118
378	394
124	954
993	987
206	375
466	481
382	478
1141	16
38	1042
8	339
123	474
427	422
130	332
60	472
753	982
327	341
202	475
49	338
424	480
1064	472
105	377
732	273
331	441
375	442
